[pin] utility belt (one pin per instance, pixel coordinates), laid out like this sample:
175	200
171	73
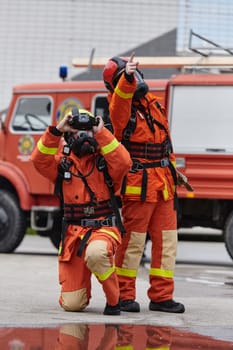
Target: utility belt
137	165
94	223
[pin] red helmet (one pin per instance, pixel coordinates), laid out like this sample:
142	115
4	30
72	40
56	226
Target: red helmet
112	72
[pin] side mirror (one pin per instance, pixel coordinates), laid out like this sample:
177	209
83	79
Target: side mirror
2	119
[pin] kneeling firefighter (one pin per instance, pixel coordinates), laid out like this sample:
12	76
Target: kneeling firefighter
87	174
149	191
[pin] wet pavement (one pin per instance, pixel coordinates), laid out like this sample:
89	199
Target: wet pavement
29	304
80	336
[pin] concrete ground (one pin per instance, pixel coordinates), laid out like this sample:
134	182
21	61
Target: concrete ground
204	283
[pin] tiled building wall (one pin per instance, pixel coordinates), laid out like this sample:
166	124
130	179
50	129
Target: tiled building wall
37	36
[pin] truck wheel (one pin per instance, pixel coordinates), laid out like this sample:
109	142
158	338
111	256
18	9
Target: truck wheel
228	234
12	223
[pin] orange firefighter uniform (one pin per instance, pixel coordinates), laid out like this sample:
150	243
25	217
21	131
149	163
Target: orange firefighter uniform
86	202
148	192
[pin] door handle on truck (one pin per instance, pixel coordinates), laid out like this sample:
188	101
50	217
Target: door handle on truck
215	150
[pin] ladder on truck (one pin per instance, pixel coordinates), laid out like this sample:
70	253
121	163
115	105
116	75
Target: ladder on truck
178	62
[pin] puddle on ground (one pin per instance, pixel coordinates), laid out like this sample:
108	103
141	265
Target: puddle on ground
78	336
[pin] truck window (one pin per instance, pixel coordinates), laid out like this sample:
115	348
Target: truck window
101	108
32	114
201	119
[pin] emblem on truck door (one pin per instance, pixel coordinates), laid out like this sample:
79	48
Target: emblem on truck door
66	106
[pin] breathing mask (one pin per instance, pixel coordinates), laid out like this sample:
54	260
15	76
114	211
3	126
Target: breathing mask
83	143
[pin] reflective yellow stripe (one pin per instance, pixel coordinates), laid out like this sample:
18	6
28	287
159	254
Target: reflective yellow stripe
174	163
110	147
46	150
121	271
123	94
165	191
133	190
104	276
161	273
124	347
84	111
110	233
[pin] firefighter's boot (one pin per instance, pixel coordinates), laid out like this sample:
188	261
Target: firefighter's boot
130	306
167	306
112	310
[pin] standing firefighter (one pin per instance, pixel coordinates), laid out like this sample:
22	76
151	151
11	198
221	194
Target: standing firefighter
87	174
149	190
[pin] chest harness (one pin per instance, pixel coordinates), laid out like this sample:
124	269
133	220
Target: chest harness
157	153
87	214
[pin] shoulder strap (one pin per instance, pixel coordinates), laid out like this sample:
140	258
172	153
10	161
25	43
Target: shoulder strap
130	127
102	166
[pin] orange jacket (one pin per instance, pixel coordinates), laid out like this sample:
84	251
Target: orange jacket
159	179
46	158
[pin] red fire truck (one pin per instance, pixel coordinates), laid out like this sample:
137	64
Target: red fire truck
199	107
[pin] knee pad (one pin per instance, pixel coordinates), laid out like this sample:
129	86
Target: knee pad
75	300
96	256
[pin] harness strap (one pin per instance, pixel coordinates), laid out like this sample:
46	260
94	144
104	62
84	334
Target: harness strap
91	210
150	151
85	222
102	166
137	165
83	242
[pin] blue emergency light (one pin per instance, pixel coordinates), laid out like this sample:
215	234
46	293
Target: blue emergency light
63	72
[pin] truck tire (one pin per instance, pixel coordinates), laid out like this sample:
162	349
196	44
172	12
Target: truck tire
228	234
12	223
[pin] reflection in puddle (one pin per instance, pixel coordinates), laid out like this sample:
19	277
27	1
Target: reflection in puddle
107	337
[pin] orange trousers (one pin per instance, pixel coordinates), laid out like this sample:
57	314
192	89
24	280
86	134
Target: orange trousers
75	271
159	219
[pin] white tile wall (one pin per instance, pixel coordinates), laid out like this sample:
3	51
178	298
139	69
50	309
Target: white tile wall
37	36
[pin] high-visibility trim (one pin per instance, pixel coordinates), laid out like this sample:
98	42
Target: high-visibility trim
104	276
125	95
124	347
165	192
84	111
46	150
110	147
161	273
133	190
121	271
174	163
110	233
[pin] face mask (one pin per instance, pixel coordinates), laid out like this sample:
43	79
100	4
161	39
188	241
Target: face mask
142	87
84	144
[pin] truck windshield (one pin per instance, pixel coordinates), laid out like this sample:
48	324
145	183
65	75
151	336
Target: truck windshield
32	114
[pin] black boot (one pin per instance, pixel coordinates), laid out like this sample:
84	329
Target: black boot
129	306
112	310
167	306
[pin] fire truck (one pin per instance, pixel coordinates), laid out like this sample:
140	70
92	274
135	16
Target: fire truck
27	199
